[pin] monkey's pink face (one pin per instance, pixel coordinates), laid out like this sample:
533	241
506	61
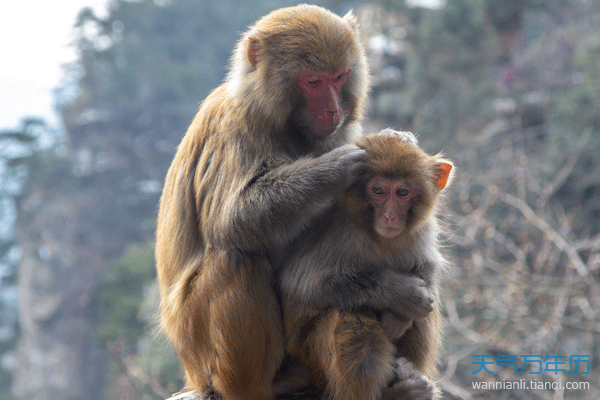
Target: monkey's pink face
391	199
322	92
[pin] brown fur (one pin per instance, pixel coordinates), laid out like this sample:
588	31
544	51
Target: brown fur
247	179
342	281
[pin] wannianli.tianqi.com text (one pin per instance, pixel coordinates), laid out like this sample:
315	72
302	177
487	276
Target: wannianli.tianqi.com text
524	384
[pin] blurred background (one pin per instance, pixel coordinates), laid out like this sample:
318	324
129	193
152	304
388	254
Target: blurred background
96	95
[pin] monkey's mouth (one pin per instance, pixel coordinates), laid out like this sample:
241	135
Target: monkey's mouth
388	232
325	130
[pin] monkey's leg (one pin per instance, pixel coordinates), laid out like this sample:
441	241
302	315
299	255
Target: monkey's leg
239	346
351	355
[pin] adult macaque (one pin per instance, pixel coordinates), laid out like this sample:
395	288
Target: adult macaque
360	289
263	158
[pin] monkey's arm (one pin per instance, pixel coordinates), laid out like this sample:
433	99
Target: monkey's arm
396	325
276	204
352	284
404	294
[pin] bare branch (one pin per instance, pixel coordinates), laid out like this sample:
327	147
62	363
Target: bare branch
548	231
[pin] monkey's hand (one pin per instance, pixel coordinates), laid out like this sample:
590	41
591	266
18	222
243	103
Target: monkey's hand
394	325
416	300
409	384
348	162
406	136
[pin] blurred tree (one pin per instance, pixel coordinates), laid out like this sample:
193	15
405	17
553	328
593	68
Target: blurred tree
19	152
119	299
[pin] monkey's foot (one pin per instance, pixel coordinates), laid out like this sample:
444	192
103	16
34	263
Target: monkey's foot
419	388
185	394
409	384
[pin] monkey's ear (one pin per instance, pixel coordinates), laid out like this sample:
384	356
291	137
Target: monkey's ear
253	50
443	173
351	19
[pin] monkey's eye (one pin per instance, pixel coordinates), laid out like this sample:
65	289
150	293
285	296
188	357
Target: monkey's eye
403	192
342	76
378	190
313	81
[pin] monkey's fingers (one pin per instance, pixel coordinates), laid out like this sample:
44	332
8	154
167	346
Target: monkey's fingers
350	162
417	301
405	136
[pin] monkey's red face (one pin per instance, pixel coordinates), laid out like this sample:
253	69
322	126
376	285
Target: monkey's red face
391	199
322	92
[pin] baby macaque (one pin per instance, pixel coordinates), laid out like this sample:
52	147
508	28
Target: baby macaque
359	291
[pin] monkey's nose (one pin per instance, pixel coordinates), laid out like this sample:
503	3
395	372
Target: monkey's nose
389	218
335	116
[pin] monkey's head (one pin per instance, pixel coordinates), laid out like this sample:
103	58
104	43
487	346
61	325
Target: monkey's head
402	186
303	65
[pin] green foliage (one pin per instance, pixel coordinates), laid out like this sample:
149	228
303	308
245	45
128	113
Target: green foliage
126	307
157	357
118	301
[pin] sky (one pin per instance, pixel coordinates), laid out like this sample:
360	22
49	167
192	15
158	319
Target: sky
34	43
